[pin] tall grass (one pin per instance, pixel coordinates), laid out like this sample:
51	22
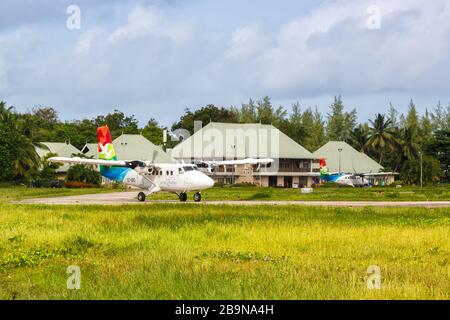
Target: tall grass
223	252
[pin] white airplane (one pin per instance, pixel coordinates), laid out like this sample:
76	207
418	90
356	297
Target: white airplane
171	177
344	179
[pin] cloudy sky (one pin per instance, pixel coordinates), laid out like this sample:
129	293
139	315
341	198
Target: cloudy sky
156	58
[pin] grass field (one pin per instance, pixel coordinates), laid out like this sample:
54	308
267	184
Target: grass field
173	251
441	193
326	194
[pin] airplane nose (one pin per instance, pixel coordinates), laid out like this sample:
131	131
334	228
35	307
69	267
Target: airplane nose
209	182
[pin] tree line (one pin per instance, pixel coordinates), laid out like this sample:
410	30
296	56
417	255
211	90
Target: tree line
397	141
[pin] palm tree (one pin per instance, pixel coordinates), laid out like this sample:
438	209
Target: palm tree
408	144
359	137
4	109
380	135
26	155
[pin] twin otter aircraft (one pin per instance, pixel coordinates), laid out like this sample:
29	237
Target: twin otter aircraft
147	175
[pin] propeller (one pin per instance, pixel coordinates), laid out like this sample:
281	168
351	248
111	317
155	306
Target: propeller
134	164
155	154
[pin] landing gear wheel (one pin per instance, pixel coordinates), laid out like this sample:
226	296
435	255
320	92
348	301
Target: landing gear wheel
141	196
197	197
183	197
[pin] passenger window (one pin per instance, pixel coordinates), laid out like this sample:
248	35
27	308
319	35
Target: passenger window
161	173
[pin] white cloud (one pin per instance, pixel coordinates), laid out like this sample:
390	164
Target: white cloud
245	42
141	21
332	49
83	45
144	21
157	60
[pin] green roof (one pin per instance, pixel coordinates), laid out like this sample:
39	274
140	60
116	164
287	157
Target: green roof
62	149
241	140
90	150
131	147
137	147
352	161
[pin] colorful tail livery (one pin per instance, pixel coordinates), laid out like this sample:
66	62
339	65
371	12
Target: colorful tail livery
105	145
325	173
106	152
323	169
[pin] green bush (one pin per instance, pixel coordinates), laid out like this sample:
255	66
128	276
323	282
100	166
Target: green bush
431	171
85	176
262	194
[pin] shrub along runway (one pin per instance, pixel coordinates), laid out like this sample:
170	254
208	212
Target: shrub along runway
120	198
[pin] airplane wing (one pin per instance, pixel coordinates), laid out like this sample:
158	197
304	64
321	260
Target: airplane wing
238	162
109	163
379	174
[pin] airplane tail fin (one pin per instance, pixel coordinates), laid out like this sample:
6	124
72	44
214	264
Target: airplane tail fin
106	152
105	145
324	173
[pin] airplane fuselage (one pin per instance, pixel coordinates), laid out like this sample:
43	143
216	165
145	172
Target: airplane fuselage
175	178
347	180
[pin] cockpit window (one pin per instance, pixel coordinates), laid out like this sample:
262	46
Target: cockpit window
180	170
188	168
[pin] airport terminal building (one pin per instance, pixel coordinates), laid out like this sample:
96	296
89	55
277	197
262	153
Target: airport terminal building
294	166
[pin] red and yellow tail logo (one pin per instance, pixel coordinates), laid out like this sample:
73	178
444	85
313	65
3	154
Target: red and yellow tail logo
105	145
322	163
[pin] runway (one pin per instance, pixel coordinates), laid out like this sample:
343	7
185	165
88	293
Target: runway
120	198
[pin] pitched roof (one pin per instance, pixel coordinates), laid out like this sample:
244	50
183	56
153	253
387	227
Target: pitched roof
131	147
241	140
352	161
62	149
90	150
137	147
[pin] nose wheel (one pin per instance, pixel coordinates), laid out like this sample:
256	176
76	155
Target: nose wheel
141	196
197	197
183	197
